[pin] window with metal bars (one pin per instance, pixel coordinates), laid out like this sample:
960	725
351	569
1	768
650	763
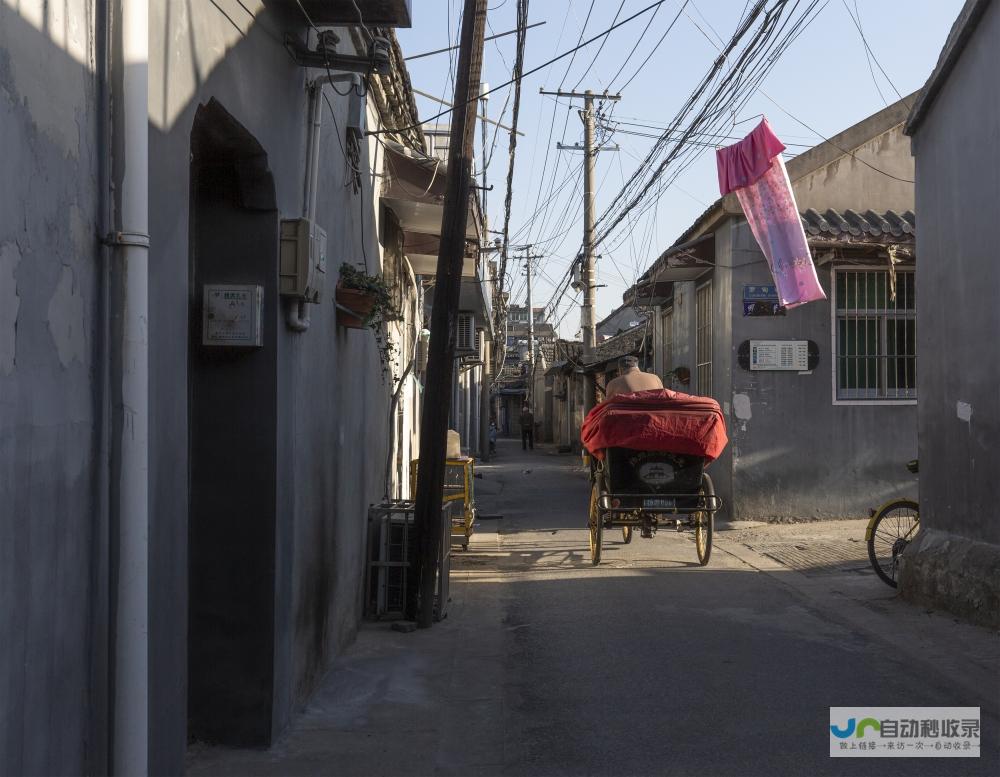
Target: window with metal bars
875	335
703	339
667	324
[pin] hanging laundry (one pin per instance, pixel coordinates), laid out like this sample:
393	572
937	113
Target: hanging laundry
753	168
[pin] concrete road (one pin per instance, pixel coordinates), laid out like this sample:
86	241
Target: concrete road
646	665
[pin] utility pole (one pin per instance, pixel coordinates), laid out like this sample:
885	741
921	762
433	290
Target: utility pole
528	257
588	274
444	317
483	101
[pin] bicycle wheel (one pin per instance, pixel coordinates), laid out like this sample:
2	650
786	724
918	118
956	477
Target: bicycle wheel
704	523
594	524
626	534
890	531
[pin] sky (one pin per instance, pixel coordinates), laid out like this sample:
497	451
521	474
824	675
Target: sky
827	79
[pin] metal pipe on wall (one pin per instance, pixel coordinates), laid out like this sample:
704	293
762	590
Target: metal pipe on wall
297	313
130	733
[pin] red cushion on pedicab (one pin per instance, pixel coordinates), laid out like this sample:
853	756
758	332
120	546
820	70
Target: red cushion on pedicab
656	420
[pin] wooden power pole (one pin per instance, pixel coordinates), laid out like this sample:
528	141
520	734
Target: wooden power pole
444	314
589	275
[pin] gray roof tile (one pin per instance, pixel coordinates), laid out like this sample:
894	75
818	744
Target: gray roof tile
867	227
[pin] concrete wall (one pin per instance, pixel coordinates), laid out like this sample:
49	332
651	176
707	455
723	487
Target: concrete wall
958	194
332	404
825	177
795	454
724	331
53	519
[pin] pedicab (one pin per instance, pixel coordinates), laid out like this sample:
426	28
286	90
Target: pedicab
647	453
459	480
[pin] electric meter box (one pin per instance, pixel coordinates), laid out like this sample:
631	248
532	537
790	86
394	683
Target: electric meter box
231	316
302	260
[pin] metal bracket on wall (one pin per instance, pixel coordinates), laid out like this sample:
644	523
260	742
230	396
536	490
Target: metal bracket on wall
377	60
140	239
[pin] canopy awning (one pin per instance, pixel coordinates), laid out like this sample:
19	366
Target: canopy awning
381	13
414	191
684	262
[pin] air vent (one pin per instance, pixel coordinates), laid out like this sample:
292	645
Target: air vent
465	341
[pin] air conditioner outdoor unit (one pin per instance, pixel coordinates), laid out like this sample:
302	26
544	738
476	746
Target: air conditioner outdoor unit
465	342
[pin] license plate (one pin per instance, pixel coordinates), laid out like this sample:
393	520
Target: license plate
662	504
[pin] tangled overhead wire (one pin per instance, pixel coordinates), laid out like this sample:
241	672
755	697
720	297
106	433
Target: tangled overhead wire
733	78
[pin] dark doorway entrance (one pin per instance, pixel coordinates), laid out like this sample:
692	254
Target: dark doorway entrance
232	438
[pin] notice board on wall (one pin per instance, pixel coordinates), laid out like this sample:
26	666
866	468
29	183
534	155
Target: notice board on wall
779	355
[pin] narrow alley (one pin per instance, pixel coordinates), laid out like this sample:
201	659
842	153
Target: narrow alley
647	664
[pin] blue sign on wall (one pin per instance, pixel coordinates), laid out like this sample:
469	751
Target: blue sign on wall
761	291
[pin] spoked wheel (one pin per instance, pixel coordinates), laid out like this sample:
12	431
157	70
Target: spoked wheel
596	529
626	534
891	531
704	522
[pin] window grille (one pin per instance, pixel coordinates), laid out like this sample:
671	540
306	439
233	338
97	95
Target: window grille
703	339
667	327
876	333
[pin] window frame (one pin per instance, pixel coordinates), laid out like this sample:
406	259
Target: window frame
701	293
834	374
667	350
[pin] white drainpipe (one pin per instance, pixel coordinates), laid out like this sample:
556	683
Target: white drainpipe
130	745
297	312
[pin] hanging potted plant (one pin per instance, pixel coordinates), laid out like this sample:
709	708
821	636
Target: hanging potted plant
366	301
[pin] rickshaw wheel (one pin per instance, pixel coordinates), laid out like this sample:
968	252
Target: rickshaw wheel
704	525
626	534
595	528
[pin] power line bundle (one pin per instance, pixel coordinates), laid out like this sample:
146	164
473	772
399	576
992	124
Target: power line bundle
735	75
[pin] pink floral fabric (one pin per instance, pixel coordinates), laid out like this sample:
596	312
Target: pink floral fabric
754	170
743	163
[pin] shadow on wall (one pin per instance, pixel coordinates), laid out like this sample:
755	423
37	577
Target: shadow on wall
54	617
233	443
285	542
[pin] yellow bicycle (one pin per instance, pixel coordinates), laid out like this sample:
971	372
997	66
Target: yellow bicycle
892	527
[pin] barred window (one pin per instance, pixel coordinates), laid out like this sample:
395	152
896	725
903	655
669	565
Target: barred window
667	323
876	333
703	339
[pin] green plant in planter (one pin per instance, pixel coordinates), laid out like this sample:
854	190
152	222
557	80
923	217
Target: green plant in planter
383	309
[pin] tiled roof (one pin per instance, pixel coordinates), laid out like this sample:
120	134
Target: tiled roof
867	227
620	345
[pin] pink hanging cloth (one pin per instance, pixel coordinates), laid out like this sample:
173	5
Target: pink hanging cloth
753	168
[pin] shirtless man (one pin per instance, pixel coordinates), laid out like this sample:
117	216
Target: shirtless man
631	378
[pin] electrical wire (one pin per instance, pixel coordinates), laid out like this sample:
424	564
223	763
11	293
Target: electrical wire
870	53
522	20
545	64
649	56
722	90
600	48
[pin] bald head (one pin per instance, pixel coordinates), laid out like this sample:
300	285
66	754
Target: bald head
627	363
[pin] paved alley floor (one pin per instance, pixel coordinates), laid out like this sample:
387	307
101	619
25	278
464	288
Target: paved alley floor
646	665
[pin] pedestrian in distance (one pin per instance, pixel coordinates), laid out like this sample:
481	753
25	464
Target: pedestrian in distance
527	428
493	436
631	379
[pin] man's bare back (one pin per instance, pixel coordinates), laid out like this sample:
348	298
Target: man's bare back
631	380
